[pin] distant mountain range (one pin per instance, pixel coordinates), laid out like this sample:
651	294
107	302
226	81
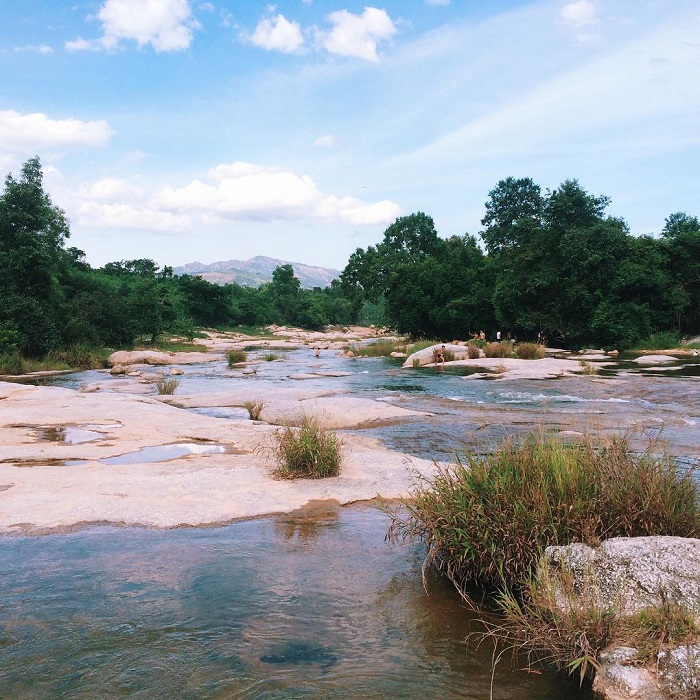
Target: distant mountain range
256	271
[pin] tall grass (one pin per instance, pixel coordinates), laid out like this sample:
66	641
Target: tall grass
530	351
310	451
487	519
235	356
167	385
659	341
502	349
378	348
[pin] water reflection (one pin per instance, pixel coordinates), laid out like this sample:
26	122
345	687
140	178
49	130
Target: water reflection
260	609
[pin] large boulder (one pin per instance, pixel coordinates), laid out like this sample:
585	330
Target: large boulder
427	355
633	573
155	357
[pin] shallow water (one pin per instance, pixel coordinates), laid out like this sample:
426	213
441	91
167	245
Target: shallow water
290	607
287	607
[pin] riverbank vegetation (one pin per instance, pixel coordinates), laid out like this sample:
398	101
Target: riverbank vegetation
487	519
309	452
553	264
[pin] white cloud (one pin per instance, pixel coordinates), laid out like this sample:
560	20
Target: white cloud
438	2
167	25
358	35
245	191
279	34
110	189
327	141
128	217
41	48
579	14
35	131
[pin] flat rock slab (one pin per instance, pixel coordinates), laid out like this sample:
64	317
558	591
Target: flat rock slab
153	357
41	493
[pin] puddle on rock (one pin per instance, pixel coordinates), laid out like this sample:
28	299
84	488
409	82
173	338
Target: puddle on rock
68	434
156	453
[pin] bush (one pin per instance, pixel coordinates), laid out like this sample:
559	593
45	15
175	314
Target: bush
486	520
271	357
11	363
530	351
504	349
254	408
235	356
659	341
167	385
378	348
473	352
309	451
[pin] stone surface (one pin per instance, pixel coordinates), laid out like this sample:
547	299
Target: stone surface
618	680
154	357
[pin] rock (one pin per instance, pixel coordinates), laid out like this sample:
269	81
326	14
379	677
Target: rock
153	357
176	370
633	573
118	369
654	359
426	356
679	670
397	354
618	679
613	353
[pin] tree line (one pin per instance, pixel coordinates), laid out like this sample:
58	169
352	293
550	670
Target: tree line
553	263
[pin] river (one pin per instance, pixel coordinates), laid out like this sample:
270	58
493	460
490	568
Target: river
306	605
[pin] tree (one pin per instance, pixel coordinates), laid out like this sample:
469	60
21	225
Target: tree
32	233
513	211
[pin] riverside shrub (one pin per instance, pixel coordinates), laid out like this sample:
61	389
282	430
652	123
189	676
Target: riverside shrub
487	519
310	451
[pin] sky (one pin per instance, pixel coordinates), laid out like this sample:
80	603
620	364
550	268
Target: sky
190	130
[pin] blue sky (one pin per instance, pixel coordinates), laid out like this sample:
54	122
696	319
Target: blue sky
184	130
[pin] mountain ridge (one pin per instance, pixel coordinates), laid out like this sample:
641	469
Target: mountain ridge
256	271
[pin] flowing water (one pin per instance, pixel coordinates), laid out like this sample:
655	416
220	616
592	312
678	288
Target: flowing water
301	606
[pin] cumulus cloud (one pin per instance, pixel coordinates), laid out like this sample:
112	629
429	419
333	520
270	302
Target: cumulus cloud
358	35
34	131
167	25
41	48
278	34
244	191
579	14
128	217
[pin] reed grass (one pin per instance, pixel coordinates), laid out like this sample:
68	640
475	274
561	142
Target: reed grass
167	385
503	349
254	408
379	348
235	356
473	352
310	451
486	519
530	351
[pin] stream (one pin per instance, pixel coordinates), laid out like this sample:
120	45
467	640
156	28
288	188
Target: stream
311	604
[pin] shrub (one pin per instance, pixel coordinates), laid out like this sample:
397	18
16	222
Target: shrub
254	408
378	348
235	356
530	351
271	357
309	451
587	367
503	349
473	352
487	519
659	341
167	385
11	363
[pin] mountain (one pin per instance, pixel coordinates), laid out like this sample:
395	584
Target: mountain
256	271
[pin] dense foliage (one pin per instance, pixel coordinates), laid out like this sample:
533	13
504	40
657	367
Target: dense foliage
553	263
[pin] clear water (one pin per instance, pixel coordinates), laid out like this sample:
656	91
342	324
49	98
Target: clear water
286	607
301	608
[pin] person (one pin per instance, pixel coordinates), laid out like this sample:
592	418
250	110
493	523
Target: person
440	356
318	351
498	336
482	335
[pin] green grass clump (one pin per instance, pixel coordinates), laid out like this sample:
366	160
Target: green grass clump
309	452
11	363
235	356
587	367
167	385
659	341
379	348
530	351
487	519
271	357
